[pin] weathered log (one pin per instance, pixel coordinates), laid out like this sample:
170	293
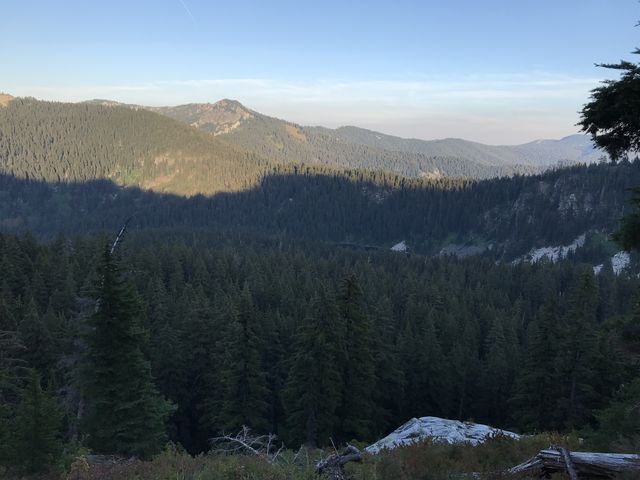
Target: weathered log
333	466
579	464
568	463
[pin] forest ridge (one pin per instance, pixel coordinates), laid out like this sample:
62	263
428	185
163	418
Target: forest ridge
153	156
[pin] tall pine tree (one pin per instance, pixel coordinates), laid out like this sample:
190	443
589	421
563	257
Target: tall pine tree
314	385
535	396
578	352
245	397
125	413
359	367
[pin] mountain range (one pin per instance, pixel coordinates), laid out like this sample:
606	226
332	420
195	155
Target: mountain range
86	166
353	147
233	130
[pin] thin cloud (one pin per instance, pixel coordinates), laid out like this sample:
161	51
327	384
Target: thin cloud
522	86
188	11
529	87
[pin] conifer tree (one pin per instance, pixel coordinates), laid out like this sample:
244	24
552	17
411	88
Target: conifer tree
422	360
610	115
496	374
578	353
390	380
359	368
244	383
274	357
185	376
8	321
463	368
36	435
11	374
35	336
225	319
619	422
125	413
535	397
314	386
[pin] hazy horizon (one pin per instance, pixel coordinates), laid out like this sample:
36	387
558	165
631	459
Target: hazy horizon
250	107
497	73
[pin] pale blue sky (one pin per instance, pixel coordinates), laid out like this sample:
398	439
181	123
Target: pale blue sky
496	71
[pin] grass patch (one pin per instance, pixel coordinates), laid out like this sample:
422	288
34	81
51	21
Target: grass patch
423	461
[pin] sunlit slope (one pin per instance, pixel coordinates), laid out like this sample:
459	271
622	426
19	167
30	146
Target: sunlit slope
287	142
63	142
353	147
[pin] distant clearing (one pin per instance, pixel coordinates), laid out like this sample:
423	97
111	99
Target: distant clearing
158	181
296	133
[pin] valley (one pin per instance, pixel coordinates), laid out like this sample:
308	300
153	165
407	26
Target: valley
251	241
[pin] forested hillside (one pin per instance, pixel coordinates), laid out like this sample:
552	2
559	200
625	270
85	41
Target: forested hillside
58	142
288	142
238	333
64	142
539	153
506	217
354	147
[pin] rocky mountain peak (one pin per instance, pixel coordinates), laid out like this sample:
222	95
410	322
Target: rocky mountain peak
217	118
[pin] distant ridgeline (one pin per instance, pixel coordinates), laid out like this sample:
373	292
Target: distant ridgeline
354	147
86	167
137	147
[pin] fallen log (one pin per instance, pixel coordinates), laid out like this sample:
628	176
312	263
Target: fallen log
590	465
568	463
333	466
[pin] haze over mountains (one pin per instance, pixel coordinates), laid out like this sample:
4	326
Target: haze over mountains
269	141
353	147
231	117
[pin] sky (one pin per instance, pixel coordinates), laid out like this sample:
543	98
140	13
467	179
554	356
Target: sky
494	71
